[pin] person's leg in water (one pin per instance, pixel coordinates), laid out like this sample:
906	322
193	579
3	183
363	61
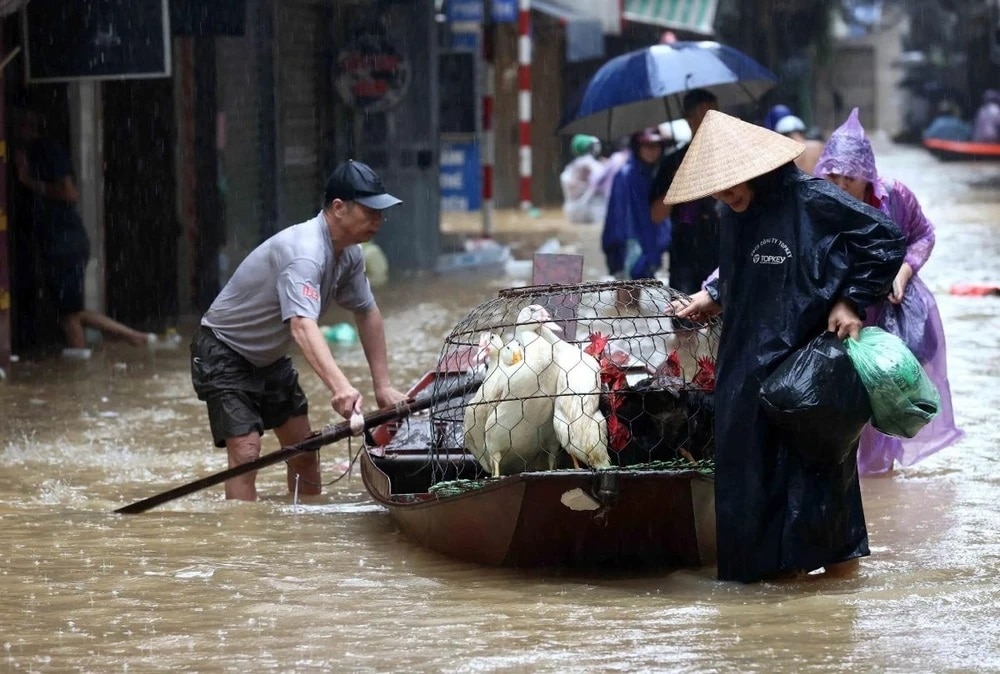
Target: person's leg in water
66	282
74	323
285	409
246	448
243	449
303	468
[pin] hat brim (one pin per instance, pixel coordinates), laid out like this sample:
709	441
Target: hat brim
378	201
725	152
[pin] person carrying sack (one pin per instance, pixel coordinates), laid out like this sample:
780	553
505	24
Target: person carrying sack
909	311
797	256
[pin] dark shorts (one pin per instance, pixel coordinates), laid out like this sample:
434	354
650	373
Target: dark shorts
64	282
242	397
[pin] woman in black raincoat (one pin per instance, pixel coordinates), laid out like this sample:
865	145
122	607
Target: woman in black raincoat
797	258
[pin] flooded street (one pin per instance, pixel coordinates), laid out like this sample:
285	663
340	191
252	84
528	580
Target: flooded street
201	584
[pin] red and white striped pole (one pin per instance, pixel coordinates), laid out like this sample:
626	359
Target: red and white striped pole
487	152
524	99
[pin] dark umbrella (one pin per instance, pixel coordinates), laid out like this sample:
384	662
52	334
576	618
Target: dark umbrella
645	88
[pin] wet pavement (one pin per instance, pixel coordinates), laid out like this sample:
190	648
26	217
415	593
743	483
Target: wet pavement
201	584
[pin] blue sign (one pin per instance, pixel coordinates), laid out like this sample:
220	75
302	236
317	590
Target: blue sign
466	41
465	11
461	177
505	11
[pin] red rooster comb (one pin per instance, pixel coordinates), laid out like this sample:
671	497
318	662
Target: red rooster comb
598	342
704	378
673	364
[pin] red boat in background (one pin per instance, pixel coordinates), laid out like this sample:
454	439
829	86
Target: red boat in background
959	150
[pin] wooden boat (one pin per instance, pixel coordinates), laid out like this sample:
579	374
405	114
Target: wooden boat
580	519
957	150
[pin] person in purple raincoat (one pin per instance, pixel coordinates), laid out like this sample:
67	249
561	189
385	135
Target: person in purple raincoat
986	127
910	310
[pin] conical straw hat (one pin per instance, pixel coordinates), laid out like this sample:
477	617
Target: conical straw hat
725	152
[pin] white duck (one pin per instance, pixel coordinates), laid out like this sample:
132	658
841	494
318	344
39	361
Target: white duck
579	424
482	402
519	431
538	362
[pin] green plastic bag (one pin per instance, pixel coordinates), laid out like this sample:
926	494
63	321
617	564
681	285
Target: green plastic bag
903	397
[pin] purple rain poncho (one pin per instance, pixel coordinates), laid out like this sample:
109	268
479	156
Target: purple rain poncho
849	153
986	127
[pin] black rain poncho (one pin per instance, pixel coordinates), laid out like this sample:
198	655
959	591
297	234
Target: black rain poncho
801	245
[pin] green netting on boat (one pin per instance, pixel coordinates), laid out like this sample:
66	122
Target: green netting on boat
705	467
456	487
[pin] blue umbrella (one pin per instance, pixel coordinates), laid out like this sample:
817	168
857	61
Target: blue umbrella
645	88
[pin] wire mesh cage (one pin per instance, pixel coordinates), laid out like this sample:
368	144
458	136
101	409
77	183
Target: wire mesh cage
592	375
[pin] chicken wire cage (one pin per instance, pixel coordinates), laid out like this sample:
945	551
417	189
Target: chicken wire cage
590	375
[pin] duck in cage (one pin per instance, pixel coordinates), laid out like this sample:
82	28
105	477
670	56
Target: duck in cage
571	380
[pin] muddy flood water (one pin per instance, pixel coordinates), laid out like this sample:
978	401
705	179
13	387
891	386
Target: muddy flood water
201	584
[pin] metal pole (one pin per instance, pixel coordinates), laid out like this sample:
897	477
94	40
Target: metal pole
487	147
524	99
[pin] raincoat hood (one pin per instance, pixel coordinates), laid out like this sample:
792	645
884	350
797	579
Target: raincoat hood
848	152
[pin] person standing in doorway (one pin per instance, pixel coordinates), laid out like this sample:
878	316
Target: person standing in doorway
44	170
240	364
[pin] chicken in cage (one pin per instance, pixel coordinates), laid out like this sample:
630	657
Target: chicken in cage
574	377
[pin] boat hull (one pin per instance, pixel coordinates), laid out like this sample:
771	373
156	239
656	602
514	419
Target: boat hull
581	519
956	150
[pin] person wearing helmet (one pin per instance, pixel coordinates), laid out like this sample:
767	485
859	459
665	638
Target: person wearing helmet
582	144
774	114
794	128
633	243
583	200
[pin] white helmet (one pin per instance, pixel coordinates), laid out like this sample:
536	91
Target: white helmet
789	124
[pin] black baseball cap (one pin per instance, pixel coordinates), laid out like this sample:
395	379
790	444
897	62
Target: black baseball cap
356	181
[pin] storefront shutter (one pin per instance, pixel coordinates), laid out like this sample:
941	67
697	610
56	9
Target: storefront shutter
239	103
297	59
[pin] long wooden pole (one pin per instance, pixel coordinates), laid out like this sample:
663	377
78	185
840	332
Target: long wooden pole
328	435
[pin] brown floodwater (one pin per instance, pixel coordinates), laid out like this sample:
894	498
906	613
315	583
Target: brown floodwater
201	584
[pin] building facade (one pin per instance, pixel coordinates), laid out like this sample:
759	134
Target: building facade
184	168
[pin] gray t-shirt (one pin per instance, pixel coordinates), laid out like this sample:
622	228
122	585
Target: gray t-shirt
294	273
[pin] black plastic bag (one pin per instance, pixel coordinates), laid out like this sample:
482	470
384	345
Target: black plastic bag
817	400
